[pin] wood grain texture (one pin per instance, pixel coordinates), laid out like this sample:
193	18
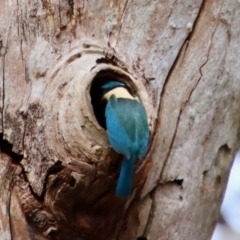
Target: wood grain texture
181	58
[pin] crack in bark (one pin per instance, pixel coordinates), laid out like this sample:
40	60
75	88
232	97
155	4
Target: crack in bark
120	21
158	123
9	210
193	89
25	111
9	207
59	15
39	216
182	49
202	66
151	212
3	76
153	205
25	115
3	93
200	70
208	53
171	145
189	38
18	28
71	11
5	148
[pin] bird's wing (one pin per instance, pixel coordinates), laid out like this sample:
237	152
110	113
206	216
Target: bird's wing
117	135
132	115
142	130
127	126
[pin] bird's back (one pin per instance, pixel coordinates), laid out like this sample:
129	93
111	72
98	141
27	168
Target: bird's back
127	126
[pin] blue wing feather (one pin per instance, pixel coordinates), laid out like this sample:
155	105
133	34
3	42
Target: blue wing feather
128	134
117	135
127	126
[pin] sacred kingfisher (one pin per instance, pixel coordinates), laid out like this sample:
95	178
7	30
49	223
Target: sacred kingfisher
127	129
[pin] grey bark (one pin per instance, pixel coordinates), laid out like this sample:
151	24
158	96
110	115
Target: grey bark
58	172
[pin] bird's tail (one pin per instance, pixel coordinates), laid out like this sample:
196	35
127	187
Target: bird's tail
124	185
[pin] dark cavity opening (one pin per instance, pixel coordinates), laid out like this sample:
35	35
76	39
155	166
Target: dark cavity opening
179	182
96	94
6	147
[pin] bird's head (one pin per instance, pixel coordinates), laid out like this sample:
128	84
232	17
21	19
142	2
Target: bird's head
107	87
119	89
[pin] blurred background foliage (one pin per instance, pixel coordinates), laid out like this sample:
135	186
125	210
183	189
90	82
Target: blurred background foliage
229	224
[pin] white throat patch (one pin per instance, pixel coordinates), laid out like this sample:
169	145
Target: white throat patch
119	92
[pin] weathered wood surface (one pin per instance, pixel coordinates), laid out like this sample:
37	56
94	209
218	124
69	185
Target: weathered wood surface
58	172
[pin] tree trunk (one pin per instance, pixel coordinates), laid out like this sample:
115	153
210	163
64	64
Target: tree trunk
58	172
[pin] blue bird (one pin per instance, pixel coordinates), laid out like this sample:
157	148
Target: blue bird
127	128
